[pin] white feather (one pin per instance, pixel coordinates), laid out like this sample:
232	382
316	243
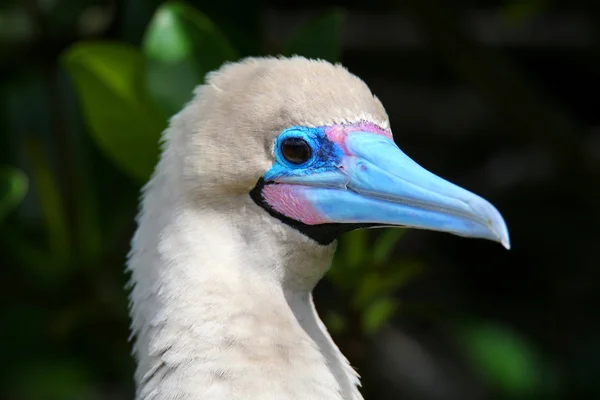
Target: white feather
221	298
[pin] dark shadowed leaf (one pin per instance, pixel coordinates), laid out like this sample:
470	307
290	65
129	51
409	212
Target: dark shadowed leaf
123	121
385	244
368	288
50	201
504	358
336	322
52	380
13	187
376	283
378	313
181	46
320	38
519	11
350	259
355	248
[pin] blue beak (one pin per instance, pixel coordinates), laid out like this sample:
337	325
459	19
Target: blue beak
377	183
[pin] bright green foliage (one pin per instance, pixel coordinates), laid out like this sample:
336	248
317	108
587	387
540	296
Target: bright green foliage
13	187
320	38
181	45
126	125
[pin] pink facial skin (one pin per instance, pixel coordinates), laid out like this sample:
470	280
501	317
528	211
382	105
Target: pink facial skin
290	201
338	133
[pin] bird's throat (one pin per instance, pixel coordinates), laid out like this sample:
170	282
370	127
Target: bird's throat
223	313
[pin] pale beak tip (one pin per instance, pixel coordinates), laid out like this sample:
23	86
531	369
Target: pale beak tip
502	234
498	231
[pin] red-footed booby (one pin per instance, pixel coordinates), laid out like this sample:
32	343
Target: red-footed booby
259	173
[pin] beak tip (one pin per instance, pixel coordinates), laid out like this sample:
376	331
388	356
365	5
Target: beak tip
502	235
495	223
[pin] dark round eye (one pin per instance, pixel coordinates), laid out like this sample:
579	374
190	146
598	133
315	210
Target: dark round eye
296	150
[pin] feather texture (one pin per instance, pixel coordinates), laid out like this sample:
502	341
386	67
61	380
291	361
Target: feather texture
221	298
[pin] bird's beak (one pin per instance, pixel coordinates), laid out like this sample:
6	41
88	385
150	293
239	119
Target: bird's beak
377	183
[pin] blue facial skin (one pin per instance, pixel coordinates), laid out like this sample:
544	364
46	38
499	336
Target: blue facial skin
379	184
326	156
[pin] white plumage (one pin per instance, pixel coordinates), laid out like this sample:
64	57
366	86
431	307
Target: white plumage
221	291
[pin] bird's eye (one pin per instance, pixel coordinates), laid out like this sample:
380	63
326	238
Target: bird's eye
296	150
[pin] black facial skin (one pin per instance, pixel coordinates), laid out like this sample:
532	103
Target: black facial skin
323	234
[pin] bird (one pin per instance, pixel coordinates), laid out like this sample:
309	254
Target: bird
261	171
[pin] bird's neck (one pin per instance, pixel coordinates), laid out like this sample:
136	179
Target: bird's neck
224	312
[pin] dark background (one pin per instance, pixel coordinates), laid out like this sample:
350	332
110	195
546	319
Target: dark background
500	97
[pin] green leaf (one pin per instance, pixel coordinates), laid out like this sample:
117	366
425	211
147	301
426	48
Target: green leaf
377	314
369	287
349	261
355	245
123	121
336	323
13	187
504	358
181	45
402	272
50	201
319	39
520	11
385	243
42	267
375	283
51	379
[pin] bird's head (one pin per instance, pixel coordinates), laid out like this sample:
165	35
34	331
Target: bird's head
309	144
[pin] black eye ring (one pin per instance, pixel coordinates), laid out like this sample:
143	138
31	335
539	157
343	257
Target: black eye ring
296	150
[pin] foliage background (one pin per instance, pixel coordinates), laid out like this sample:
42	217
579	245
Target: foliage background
498	96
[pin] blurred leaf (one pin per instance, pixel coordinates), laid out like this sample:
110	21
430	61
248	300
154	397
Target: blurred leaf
13	187
376	283
50	201
182	45
87	232
399	273
125	124
369	286
56	379
38	263
336	322
518	10
378	313
338	275
320	38
350	259
16	25
385	243
355	248
505	359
